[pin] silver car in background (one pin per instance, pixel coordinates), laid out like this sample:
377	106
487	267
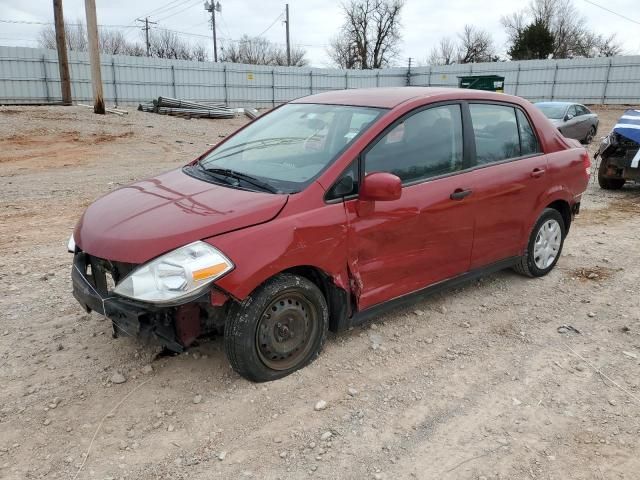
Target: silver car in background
572	119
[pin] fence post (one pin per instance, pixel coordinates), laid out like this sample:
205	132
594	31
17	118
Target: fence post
377	78
515	92
173	81
224	84
273	87
346	79
311	82
115	85
429	76
606	82
46	81
553	85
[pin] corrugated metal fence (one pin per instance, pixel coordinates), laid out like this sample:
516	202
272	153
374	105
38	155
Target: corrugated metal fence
30	75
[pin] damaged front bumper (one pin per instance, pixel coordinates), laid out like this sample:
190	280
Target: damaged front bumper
174	327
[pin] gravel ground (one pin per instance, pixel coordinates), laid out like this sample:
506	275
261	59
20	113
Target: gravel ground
475	383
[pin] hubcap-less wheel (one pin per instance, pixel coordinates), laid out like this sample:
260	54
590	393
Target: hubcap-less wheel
590	136
285	331
547	244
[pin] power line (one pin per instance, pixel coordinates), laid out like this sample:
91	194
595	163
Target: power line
269	27
191	5
163	8
614	13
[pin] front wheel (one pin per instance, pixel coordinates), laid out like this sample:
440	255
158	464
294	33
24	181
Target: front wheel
545	245
278	329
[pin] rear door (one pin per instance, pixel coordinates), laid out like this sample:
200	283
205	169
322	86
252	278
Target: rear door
508	183
397	247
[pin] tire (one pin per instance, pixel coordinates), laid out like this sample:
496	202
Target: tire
534	262
589	137
278	329
608	183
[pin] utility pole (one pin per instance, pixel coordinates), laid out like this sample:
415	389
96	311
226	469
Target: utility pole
94	56
212	7
409	72
63	61
288	41
146	32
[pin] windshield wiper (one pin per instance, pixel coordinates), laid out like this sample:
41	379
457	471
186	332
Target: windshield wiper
227	172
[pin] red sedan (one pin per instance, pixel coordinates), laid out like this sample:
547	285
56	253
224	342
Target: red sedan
326	210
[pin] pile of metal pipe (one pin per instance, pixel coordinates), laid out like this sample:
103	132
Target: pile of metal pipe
187	109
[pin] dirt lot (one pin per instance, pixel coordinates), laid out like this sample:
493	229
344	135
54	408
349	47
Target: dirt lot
476	383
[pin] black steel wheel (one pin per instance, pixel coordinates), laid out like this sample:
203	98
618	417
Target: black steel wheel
278	329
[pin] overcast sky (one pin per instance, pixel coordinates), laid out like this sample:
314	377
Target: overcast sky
313	22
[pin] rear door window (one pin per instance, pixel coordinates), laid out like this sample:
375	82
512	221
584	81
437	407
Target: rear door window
496	132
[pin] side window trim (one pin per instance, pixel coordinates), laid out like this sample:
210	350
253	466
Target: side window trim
465	158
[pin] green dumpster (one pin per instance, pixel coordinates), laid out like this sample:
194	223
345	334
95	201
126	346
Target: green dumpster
491	83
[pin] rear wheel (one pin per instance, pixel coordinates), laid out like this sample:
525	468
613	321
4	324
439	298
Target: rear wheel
545	245
608	183
590	134
278	329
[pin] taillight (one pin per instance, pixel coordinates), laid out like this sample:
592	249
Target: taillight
586	163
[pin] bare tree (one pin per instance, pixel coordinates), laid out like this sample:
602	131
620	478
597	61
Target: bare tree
342	52
370	34
476	45
446	53
571	36
260	51
75	34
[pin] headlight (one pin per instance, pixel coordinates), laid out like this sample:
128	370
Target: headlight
71	244
176	274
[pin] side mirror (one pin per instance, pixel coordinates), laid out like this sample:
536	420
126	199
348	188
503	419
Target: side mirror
568	117
381	187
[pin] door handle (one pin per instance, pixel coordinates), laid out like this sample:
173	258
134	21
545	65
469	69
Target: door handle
537	172
459	194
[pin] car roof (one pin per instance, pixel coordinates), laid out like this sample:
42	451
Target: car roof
562	104
389	97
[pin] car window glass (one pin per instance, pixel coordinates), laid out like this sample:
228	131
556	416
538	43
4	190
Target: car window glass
496	132
424	145
352	173
572	111
581	110
528	140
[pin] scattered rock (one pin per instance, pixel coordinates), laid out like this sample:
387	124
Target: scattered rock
418	312
170	428
515	402
283	454
320	405
46	422
197	399
147	369
222	455
352	391
612	402
630	354
326	436
591	314
117	378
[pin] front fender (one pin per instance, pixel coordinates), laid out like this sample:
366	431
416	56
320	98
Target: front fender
315	237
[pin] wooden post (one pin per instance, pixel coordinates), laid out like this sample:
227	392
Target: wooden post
94	56
61	45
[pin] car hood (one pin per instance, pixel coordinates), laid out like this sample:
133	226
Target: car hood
138	222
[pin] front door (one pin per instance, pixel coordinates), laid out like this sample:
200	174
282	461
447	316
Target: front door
397	247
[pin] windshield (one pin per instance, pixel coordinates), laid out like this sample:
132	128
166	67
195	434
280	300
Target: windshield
289	147
553	111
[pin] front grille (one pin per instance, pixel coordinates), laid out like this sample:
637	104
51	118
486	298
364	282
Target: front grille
102	274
